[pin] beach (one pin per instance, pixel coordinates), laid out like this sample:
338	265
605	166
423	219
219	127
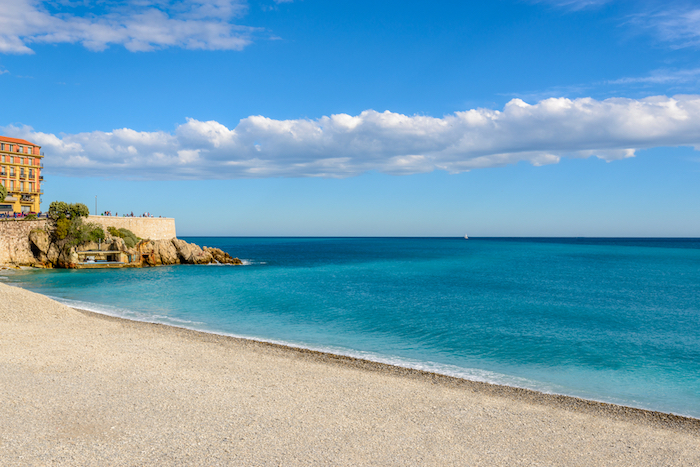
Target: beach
77	388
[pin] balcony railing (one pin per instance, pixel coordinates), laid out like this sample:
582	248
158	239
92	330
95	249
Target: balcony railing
41	178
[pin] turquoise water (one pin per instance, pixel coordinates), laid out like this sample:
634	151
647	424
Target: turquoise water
615	320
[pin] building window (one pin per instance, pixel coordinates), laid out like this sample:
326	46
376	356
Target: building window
12	185
2	147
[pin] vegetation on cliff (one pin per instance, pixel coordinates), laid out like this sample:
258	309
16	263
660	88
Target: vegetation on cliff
69	229
66	241
130	239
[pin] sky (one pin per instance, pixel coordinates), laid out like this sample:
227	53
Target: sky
358	118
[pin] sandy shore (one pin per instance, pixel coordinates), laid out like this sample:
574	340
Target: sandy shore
83	389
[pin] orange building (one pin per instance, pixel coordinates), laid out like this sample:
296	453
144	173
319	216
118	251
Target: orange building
20	173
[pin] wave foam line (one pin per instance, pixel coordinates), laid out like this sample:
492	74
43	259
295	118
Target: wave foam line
471	374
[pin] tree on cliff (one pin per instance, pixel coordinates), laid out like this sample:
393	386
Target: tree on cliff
63	210
3	193
69	227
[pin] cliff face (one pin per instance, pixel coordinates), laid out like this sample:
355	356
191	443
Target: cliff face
32	245
15	248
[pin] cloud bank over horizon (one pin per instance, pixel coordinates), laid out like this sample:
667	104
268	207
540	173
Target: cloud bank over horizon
342	145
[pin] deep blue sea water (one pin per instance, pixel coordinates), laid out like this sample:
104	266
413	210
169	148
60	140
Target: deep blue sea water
615	320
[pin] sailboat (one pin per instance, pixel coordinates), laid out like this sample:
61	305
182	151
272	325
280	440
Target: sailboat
466	238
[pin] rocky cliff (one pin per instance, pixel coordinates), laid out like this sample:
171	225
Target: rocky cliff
39	250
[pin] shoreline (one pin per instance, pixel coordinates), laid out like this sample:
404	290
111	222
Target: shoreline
580	404
83	388
573	403
619	411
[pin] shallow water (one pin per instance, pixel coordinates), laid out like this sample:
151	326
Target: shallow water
615	320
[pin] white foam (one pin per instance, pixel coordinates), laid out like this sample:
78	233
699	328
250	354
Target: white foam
471	374
123	312
244	262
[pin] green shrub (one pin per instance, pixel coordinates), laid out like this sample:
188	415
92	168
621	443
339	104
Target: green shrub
129	238
91	232
3	193
30	217
79	210
62	228
62	210
58	210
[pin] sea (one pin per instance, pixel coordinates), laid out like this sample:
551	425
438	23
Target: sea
608	319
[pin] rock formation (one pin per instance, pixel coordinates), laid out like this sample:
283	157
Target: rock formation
46	253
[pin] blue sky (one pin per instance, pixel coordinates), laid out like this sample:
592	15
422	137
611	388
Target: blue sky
501	118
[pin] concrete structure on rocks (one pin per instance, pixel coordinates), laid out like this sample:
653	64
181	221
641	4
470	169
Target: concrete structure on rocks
152	228
33	243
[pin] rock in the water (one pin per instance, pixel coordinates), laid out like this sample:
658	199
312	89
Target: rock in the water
222	257
166	251
190	253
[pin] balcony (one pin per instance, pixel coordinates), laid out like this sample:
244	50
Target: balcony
41	178
3	174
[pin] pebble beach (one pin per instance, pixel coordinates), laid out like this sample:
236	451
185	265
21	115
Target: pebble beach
78	388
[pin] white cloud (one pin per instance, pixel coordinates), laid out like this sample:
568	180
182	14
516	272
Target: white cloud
674	22
575	4
344	145
139	25
662	77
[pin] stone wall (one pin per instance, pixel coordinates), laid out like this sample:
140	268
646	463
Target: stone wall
14	241
153	228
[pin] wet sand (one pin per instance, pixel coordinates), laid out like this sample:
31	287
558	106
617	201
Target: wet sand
77	388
